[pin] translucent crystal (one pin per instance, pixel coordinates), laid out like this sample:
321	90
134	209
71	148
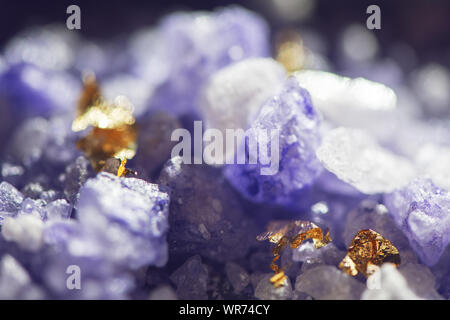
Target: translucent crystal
191	279
234	95
42	93
206	216
434	161
15	282
266	291
421	210
328	283
237	275
420	279
354	157
163	293
26	230
10	199
76	174
292	113
129	215
28	143
358	103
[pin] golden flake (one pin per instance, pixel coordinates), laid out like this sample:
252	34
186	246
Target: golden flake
101	144
114	132
290	50
278	279
117	167
367	251
293	233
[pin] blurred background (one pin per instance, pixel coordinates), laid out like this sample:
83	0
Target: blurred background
423	25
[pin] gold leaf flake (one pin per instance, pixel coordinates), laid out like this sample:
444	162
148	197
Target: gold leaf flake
293	233
368	249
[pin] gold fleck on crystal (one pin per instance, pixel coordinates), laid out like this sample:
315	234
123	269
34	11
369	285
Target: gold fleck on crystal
114	132
290	51
294	233
368	249
278	279
104	115
101	144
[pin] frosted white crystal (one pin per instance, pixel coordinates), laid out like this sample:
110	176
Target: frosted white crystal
350	102
354	157
15	283
235	93
434	161
26	230
392	286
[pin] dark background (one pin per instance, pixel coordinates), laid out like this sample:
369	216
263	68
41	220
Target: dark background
423	24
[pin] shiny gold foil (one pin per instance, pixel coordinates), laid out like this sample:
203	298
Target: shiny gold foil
293	233
368	249
114	132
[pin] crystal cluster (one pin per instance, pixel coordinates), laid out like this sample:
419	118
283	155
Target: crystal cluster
357	184
422	210
292	113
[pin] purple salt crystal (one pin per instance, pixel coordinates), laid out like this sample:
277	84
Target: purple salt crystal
206	43
33	207
28	142
49	47
60	148
35	92
129	216
191	279
76	174
58	209
292	113
326	282
32	190
206	216
10	199
422	211
15	282
237	276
